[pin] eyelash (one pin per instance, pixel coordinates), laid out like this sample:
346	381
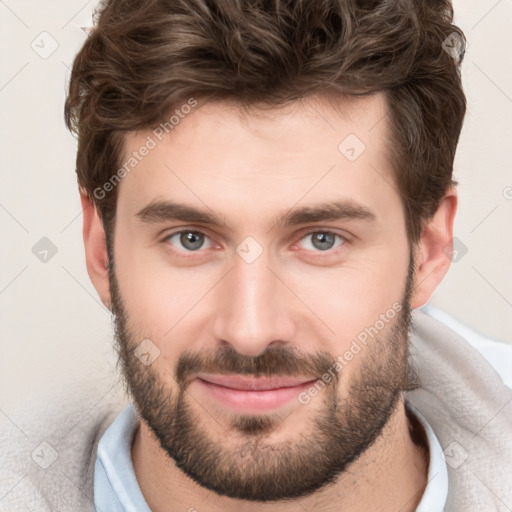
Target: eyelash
344	239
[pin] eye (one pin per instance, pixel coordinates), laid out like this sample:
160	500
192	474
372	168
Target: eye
189	239
322	240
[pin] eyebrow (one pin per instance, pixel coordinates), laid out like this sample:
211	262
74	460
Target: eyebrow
159	211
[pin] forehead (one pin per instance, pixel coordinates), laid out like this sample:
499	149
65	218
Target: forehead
249	161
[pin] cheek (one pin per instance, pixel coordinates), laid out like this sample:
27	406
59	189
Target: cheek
163	303
354	296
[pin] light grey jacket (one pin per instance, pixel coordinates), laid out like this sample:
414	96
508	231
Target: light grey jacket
47	458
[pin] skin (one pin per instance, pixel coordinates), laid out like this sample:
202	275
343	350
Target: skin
251	169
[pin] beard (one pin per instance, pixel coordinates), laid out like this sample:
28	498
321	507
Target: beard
241	462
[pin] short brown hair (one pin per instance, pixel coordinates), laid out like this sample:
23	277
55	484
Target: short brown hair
143	58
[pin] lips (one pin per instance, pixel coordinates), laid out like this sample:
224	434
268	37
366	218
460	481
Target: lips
249	395
244	383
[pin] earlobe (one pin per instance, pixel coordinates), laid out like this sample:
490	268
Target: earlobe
95	245
434	250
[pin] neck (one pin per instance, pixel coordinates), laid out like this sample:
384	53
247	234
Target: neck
391	475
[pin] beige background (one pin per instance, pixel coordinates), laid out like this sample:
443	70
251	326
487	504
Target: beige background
54	330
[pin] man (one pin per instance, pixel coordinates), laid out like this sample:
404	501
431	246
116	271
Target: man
267	196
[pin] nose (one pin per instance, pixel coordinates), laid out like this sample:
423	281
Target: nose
253	308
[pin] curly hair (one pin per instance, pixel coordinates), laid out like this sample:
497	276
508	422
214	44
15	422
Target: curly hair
143	58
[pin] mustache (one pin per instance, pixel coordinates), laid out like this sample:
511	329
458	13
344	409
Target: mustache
274	362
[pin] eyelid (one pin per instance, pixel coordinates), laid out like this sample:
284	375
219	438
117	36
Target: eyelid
329	231
176	231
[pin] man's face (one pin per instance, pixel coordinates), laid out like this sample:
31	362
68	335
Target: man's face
267	291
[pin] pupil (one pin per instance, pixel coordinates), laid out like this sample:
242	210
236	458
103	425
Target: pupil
321	239
191	240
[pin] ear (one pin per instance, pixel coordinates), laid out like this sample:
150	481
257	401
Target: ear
434	249
96	255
